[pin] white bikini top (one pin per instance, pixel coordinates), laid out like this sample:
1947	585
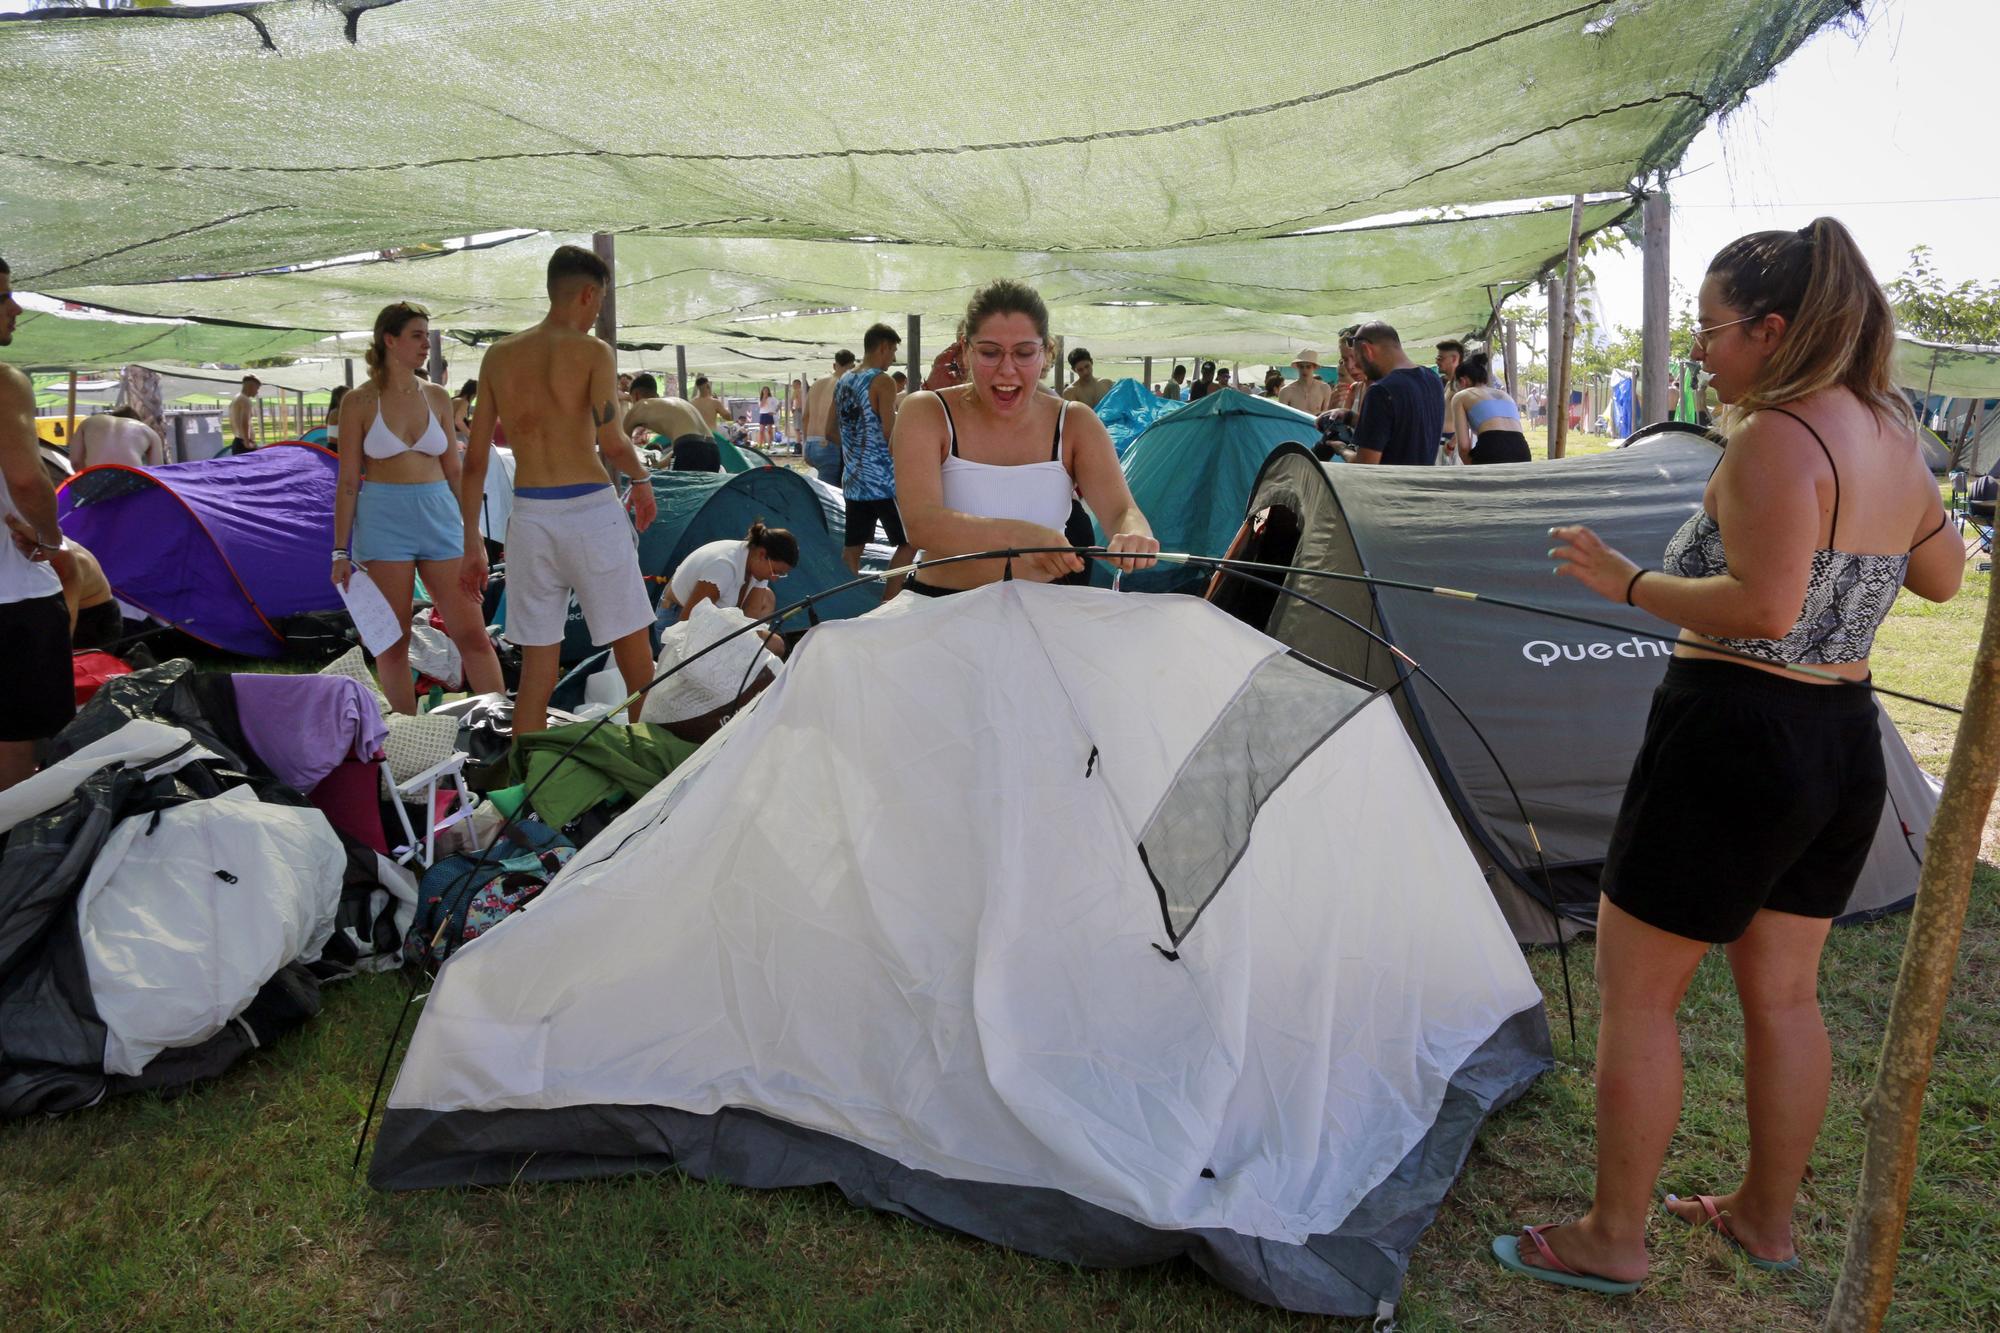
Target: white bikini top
1030	492
381	442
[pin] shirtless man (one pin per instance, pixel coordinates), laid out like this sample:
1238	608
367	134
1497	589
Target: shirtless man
557	388
118	436
712	409
1087	388
1309	393
94	618
242	410
668	418
822	431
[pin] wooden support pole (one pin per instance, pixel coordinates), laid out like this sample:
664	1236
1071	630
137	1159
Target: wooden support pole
1513	335
435	366
1060	367
349	363
681	370
913	348
1148	372
1655	318
1552	337
1559	431
604	248
69	422
1893	1113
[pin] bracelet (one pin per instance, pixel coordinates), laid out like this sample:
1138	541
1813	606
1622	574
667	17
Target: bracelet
1636	576
340	553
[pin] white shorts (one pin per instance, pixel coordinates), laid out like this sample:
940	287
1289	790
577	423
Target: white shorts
582	544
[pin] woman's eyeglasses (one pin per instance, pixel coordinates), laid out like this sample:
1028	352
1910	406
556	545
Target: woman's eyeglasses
1703	334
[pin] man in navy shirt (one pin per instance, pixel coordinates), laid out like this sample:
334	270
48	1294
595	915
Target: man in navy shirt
1402	417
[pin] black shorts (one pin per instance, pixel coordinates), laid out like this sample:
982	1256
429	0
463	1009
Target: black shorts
1501	446
98	626
1751	793
863	515
35	676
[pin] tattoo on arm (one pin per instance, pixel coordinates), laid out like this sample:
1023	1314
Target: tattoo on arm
605	415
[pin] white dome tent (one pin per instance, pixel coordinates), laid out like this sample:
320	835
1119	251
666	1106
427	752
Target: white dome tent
1099	926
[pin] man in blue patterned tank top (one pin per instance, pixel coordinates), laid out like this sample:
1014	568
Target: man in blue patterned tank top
864	406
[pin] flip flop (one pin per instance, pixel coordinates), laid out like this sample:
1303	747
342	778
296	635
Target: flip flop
1507	1249
1721	1225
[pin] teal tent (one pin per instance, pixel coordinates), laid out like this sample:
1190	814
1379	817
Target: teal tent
701	507
1192	471
1128	409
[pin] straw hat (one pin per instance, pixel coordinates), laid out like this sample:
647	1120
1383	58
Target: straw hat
1307	357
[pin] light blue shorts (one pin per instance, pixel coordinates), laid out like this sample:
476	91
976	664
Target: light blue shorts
407	520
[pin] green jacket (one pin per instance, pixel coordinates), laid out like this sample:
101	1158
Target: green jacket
616	762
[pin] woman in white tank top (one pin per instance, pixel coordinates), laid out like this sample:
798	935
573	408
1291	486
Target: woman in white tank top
993	463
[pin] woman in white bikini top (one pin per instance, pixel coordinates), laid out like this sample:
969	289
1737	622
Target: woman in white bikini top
396	512
994	463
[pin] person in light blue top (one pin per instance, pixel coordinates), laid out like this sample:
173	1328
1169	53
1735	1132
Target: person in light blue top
864	409
1485	421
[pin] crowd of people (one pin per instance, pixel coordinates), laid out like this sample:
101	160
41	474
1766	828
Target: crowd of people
1819	512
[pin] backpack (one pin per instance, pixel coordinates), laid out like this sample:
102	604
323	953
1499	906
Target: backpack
464	896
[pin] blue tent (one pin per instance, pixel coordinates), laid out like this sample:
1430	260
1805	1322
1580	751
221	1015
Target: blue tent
701	507
1128	409
1192	471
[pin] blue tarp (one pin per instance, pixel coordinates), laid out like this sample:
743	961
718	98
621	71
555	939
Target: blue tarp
1621	407
1192	471
1128	409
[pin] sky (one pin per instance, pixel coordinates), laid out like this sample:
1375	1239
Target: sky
1888	130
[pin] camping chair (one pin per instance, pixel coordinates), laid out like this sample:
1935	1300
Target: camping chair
1973	507
443	806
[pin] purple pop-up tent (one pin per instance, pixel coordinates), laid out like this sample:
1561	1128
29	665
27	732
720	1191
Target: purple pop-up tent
221	549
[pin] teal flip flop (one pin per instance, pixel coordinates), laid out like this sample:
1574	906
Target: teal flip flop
1721	1225
1507	1249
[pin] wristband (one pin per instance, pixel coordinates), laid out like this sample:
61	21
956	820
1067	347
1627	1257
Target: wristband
340	553
1636	576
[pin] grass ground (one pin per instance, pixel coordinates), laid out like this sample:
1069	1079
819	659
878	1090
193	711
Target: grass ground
233	1206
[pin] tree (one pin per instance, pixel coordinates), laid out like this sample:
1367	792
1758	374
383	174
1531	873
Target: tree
1927	308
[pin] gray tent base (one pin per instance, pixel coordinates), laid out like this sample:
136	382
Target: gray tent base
1355	1271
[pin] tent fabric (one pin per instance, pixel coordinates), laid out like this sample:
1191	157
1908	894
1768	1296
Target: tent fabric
1192	471
1563	706
700	507
987	1018
109	183
222	549
1128	409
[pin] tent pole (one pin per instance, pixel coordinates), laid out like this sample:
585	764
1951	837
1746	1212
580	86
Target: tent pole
1559	431
604	248
1657	215
681	369
69	422
914	346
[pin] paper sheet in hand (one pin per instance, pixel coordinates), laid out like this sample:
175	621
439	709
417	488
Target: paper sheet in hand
376	623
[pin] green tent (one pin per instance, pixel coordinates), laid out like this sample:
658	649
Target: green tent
1192	470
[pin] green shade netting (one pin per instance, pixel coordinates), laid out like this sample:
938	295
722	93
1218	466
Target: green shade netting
1946	370
156	144
1432	279
43	339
